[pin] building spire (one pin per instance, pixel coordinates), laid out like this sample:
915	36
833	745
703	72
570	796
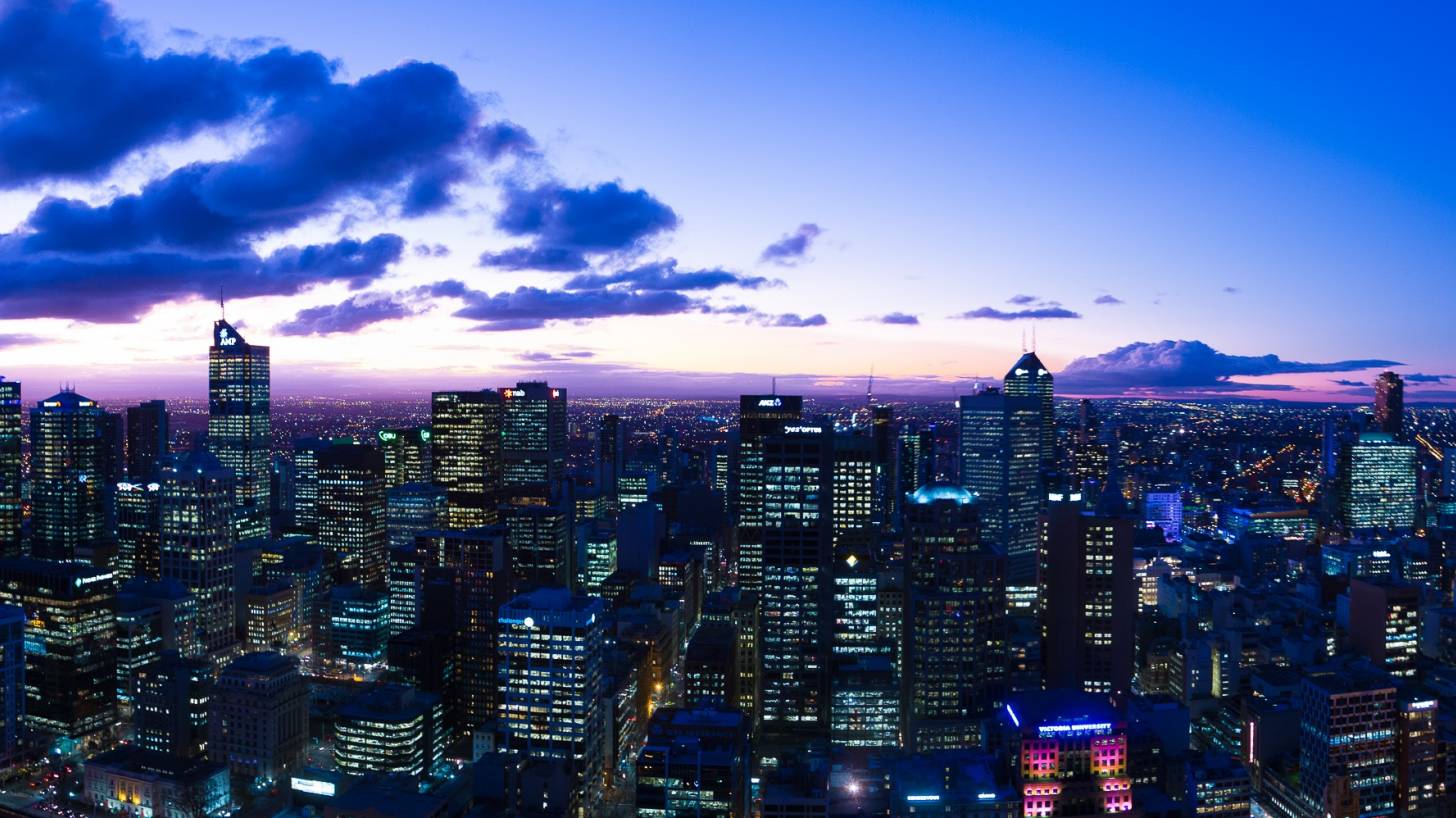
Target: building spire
221	302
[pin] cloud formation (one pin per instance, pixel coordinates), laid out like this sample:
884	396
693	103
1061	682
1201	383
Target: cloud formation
793	248
118	288
350	315
793	319
1107	299
569	225
1019	315
665	275
899	318
1186	367
532	307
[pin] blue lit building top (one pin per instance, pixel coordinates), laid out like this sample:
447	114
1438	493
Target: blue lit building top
934	492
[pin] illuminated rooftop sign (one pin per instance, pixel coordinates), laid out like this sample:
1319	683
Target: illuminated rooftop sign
1096	728
770	403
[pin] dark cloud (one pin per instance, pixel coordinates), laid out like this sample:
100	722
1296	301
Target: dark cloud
1185	367
1017	315
1108	300
350	315
121	287
1022	300
902	318
568	224
1421	377
506	138
665	275
1350	383
80	95
1231	290
793	247
533	307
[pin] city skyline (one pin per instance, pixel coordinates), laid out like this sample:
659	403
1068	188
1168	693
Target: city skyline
627	250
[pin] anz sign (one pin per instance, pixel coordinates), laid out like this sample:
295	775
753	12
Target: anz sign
770	403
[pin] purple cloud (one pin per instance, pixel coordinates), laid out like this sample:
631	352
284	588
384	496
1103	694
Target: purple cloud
1108	300
664	275
1022	300
18	339
901	318
350	315
121	287
793	319
793	247
1017	315
1185	367
566	224
533	307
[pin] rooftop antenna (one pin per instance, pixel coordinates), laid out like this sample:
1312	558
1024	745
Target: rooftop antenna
870	389
775	384
221	302
1023	342
1033	338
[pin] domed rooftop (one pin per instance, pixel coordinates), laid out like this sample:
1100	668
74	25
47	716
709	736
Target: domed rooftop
941	491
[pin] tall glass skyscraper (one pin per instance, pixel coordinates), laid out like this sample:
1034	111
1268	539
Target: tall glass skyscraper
465	432
239	424
533	438
1377	484
72	456
147	433
1029	378
198	545
1000	450
758	417
10	516
351	514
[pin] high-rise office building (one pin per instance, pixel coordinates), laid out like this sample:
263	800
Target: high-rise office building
1000	451
70	656
138	530
1389	404
797	588
1385	623
1164	510
306	451
356	626
12	683
552	657
173	700
611	457
1377	484
390	729
478	574
1347	728
259	723
71	456
1419	789
955	622
1087	597
351	514
240	423
147	436
538	539
413	508
10	469
759	416
198	547
694	764
465	453
406	455
1029	378
533	438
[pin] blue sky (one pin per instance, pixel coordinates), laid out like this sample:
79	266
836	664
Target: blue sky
1264	183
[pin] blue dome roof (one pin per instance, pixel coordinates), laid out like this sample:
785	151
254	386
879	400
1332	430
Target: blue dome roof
941	491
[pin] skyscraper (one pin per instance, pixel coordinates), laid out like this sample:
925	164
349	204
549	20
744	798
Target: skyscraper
174	695
239	423
1000	450
465	432
955	622
758	417
1029	378
1087	596
12	682
198	544
694	764
70	458
1377	484
70	656
1390	404
533	438
611	458
259	724
797	588
1347	727
138	530
147	433
406	455
351	514
552	659
10	463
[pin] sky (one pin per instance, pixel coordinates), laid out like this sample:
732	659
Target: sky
690	199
